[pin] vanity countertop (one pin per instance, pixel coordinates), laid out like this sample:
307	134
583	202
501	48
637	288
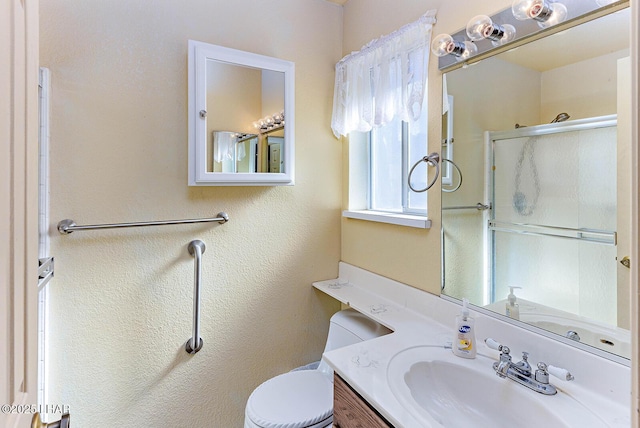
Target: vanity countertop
418	318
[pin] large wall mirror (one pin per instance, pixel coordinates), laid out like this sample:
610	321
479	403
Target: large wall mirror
542	136
241	118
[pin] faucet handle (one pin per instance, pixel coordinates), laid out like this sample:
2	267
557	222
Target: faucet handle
544	370
496	345
560	373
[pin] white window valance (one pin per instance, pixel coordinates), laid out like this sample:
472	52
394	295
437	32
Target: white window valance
386	79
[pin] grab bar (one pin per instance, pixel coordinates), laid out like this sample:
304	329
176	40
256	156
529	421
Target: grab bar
68	226
194	344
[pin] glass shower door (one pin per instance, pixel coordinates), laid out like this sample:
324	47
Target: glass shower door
553	225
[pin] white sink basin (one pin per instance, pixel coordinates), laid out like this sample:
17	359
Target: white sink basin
439	389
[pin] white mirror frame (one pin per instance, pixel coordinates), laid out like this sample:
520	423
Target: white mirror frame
199	53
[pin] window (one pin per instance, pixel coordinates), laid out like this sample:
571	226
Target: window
393	150
379	162
379	103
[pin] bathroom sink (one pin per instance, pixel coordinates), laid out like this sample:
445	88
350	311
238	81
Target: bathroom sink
439	389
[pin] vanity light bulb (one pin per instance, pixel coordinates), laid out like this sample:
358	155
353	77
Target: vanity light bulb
509	34
469	50
479	27
558	15
256	125
443	44
526	9
268	121
546	13
482	27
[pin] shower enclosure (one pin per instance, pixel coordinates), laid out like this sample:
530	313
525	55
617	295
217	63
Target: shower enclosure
552	226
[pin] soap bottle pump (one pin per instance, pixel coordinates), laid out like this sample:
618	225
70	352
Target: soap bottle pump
512	309
464	340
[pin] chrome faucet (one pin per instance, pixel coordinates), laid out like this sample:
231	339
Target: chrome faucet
573	335
522	373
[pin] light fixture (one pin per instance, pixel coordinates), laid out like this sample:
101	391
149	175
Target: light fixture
482	27
270	123
546	13
443	44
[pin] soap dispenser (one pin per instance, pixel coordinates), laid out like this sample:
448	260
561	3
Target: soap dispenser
464	340
512	310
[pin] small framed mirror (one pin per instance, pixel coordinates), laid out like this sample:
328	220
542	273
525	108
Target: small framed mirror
241	118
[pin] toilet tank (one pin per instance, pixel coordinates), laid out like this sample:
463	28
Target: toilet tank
349	326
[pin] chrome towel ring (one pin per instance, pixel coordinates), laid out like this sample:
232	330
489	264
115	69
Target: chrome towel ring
459	173
432	160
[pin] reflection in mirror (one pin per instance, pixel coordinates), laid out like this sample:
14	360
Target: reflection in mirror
238	98
557	193
233	152
237	103
275	153
447	140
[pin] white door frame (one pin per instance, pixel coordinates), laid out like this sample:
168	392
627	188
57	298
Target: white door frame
18	211
635	205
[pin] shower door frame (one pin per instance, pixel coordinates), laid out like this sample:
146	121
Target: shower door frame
489	292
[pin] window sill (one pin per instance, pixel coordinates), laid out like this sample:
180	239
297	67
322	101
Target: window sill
408	220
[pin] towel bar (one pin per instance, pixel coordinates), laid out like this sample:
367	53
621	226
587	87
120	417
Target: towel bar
68	226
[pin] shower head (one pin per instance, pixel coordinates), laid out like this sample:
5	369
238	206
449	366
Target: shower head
561	118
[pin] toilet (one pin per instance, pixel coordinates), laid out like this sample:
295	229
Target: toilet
304	398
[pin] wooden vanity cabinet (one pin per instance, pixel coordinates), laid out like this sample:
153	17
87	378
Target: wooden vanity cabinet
351	411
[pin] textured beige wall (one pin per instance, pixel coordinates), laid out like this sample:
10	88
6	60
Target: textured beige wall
405	254
121	302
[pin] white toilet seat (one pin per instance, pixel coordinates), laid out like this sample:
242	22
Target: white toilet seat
300	399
